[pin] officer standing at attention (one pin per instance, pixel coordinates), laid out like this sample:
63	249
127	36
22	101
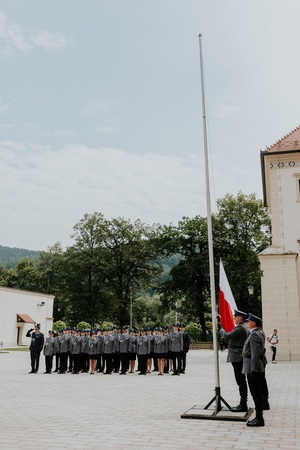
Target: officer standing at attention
36	346
143	350
254	367
176	347
49	350
236	339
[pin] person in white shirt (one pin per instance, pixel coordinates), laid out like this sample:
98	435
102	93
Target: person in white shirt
273	341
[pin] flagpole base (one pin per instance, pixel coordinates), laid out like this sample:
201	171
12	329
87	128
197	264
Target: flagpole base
218	412
218	400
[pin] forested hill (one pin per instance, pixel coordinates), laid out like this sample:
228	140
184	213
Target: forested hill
9	256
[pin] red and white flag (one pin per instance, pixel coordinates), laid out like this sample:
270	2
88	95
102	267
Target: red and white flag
227	303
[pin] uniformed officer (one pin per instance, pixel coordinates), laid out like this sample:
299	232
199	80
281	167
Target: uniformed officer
254	362
36	346
109	349
176	347
93	343
132	350
150	357
76	352
160	350
236	339
64	348
124	339
100	350
143	350
48	351
186	347
56	350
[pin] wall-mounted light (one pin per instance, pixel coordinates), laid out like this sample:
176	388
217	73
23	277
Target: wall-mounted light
41	304
250	290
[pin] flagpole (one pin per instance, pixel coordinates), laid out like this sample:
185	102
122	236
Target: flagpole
214	312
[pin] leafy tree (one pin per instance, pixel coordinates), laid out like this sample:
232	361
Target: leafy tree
132	261
85	293
241	231
188	283
24	276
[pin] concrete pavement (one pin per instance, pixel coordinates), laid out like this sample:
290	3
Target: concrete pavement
55	412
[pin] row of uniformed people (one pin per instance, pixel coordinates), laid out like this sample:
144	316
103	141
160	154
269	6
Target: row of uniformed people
83	350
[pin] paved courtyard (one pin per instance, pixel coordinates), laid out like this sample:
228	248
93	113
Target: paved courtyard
53	412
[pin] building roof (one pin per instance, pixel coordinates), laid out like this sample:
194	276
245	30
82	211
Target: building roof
24	318
289	142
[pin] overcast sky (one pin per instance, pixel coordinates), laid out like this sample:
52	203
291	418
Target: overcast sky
100	107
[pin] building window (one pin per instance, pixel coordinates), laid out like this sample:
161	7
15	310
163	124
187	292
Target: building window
297	176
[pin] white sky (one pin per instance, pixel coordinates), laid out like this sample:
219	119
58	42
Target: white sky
100	107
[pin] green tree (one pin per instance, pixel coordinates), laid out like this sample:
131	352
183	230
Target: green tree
242	229
24	276
187	287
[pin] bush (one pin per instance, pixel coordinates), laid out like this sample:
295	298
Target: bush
83	326
194	330
59	325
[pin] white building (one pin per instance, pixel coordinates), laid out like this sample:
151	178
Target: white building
19	311
280	263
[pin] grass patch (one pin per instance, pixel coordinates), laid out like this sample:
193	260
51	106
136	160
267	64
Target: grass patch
14	349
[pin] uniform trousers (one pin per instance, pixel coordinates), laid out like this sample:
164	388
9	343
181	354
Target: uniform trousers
142	363
76	362
255	382
176	362
63	362
100	362
35	360
109	362
240	378
183	361
48	362
124	358
116	363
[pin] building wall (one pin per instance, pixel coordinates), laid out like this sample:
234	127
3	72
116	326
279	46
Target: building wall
280	288
15	301
280	262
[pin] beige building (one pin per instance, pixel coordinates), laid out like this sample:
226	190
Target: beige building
19	311
280	262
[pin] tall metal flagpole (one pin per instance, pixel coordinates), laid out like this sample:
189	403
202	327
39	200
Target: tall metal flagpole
214	311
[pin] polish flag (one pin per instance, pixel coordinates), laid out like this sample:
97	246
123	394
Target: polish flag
227	303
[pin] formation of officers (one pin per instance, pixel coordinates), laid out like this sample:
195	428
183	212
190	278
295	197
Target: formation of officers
117	350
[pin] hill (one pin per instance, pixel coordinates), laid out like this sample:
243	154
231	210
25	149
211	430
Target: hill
10	256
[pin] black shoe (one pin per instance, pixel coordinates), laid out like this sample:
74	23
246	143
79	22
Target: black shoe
239	408
56	370
32	371
257	422
266	406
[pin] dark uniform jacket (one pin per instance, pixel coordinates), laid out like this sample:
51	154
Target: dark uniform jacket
254	352
236	339
37	341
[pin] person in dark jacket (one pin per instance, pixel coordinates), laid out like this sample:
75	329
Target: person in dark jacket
36	346
186	347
